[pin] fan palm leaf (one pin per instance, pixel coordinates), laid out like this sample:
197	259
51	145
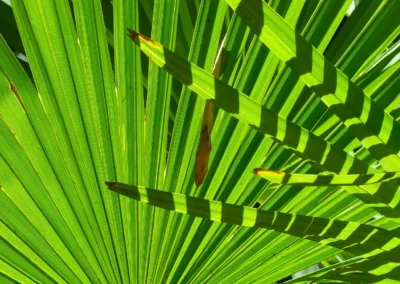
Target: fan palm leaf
307	90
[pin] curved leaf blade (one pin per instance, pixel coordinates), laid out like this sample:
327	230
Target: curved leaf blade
376	130
350	236
249	111
325	179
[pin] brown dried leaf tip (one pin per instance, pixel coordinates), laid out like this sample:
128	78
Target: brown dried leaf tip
134	36
204	148
111	184
202	157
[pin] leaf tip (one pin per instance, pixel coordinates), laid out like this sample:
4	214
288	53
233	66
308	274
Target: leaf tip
111	184
132	34
259	171
203	154
135	36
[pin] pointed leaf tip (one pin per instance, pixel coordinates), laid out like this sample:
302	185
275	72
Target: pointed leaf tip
258	171
132	34
111	184
135	35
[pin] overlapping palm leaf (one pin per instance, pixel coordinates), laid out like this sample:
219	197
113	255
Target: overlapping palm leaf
303	89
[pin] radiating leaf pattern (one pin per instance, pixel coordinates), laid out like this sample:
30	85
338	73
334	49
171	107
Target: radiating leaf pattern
305	89
357	111
267	122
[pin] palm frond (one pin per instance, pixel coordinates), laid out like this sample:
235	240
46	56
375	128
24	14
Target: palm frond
306	89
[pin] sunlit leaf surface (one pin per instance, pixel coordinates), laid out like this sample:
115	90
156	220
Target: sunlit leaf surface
305	92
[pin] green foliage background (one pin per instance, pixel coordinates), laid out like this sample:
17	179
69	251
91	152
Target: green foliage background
304	88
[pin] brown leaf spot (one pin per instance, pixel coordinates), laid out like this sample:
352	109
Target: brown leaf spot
14	90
